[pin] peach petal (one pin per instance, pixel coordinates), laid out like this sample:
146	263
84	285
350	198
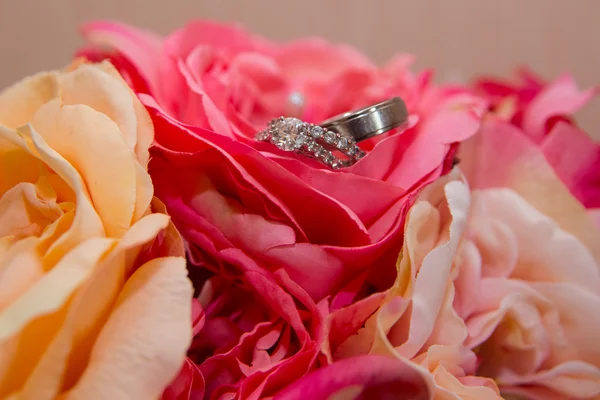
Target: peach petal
430	283
527	173
91	86
144	192
467	282
451	367
143	344
579	322
496	243
450	387
86	223
546	253
23	213
144	128
19	103
18	165
449	327
528	307
20	267
144	133
87	313
575	379
108	171
51	292
172	238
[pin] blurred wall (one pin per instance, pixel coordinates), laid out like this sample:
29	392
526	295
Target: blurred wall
460	38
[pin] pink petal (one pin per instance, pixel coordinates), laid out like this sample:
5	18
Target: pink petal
575	158
348	320
365	377
188	385
315	59
227	37
140	47
562	97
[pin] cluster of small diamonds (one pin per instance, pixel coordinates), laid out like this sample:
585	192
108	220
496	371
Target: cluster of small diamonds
291	134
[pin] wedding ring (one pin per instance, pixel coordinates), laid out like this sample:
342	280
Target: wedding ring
370	121
294	135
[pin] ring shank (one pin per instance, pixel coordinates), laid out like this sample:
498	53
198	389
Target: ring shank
369	121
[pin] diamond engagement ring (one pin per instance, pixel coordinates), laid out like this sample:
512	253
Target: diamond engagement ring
370	121
292	134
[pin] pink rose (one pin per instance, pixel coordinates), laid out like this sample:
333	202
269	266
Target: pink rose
544	113
258	191
360	378
257	336
279	228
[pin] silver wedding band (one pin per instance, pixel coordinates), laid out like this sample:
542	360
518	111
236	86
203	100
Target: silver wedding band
370	121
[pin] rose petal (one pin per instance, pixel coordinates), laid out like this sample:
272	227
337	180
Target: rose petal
19	102
526	171
74	327
152	314
575	157
188	385
546	253
430	283
109	171
140	47
562	97
366	377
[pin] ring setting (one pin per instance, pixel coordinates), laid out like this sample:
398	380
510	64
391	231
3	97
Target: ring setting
338	135
294	135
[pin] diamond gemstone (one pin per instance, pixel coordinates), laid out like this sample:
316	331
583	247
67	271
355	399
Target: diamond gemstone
352	151
316	132
330	137
299	141
342	143
320	152
289	134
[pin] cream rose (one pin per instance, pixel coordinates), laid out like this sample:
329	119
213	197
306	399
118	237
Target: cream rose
94	297
498	283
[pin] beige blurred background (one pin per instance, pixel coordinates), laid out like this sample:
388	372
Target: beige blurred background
460	38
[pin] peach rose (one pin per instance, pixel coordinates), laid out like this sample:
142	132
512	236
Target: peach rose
94	297
414	323
499	282
528	285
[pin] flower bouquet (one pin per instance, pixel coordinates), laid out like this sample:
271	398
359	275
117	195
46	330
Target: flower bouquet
179	221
